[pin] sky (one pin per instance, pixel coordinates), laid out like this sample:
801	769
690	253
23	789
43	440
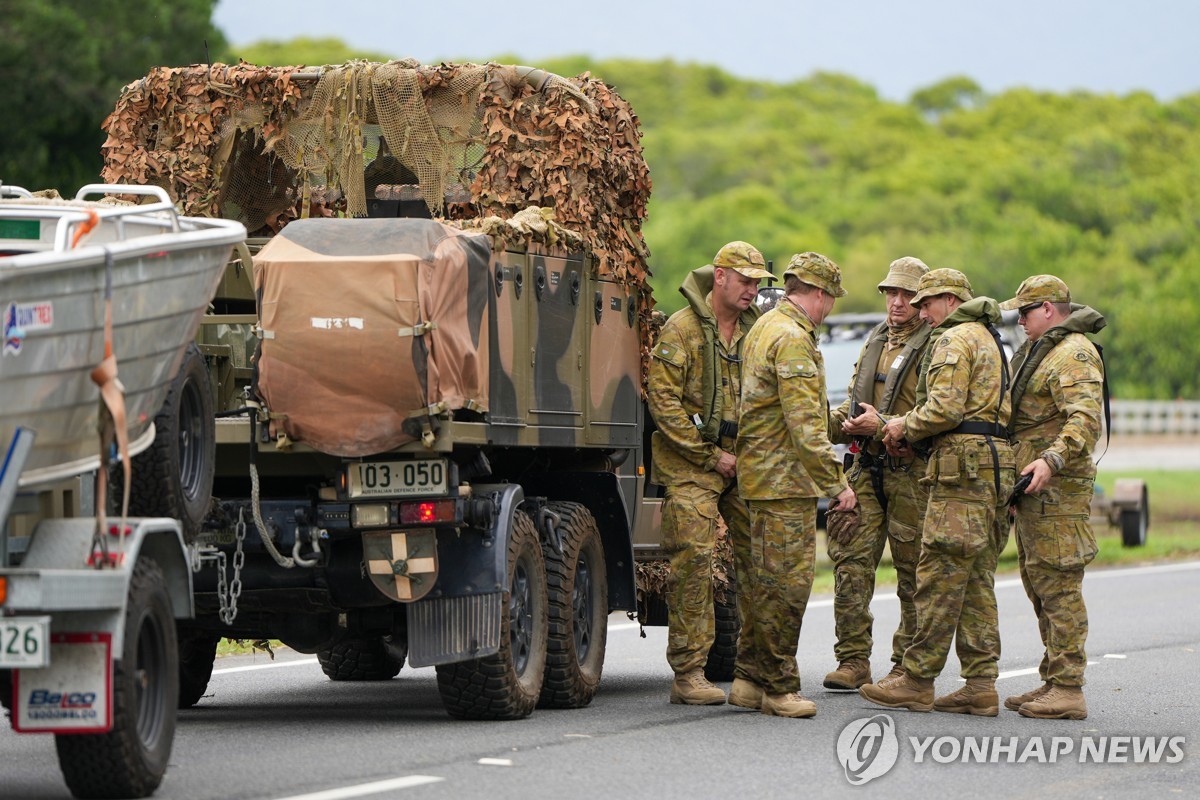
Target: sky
897	46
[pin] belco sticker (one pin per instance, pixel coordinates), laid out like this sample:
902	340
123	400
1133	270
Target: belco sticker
21	318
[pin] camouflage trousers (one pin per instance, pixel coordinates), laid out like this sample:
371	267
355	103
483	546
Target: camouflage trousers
689	534
1054	544
855	562
773	589
966	527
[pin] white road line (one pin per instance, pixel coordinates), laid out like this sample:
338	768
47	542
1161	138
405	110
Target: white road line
297	662
363	789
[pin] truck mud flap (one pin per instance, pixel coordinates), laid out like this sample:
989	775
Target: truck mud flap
446	630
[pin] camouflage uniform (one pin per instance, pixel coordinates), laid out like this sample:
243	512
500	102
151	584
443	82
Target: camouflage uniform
684	461
1057	397
785	462
970	478
892	382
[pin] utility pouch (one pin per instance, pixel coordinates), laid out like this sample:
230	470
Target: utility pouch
971	464
847	462
948	470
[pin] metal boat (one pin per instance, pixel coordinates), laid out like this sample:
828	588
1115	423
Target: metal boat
160	270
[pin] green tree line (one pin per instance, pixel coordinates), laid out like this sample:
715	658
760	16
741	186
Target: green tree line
1102	190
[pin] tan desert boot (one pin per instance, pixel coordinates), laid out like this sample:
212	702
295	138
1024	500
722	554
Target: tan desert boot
1060	702
745	694
792	704
977	698
915	694
1017	700
693	689
850	674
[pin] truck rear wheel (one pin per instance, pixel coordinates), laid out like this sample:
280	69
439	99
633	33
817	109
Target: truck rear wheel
507	685
723	653
197	652
360	660
174	476
130	760
578	594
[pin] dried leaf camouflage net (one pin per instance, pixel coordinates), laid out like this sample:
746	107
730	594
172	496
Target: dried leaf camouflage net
265	145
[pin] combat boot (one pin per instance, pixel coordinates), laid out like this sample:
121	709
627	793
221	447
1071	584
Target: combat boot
977	698
792	704
915	694
897	671
745	694
1017	700
693	689
1059	702
850	674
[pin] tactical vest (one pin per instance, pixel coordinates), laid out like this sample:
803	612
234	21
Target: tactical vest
710	425
865	378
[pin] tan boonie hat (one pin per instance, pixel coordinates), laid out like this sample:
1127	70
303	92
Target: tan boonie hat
744	259
817	270
904	273
1038	289
942	281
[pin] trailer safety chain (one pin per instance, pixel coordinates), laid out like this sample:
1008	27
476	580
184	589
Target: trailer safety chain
227	594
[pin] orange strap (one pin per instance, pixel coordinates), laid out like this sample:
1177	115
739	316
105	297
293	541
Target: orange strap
86	227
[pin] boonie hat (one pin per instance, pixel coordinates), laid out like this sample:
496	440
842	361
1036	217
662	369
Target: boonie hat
743	258
1038	289
904	273
817	270
942	281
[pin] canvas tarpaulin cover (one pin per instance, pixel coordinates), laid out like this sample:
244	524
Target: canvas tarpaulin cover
368	326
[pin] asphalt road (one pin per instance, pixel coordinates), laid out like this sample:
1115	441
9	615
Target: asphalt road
281	730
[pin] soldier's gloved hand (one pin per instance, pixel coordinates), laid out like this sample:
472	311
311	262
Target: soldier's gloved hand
726	464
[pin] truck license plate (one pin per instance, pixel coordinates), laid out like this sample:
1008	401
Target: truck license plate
24	642
398	478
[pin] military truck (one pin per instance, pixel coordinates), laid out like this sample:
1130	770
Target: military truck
426	364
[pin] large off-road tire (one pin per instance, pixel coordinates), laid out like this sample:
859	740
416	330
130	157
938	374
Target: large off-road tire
360	660
174	476
130	760
507	685
197	652
723	653
578	593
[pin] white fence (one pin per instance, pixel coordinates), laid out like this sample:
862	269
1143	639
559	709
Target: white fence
1171	417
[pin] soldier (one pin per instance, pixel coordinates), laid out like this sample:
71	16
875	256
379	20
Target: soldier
693	388
785	462
1056	400
962	411
891	501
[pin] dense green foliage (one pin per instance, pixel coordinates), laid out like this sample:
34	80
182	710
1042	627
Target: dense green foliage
63	65
1103	191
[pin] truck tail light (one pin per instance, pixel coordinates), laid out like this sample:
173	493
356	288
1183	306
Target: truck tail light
428	512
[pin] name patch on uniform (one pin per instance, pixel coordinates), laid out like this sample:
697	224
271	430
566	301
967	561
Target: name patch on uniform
797	369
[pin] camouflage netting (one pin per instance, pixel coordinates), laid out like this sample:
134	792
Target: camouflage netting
267	144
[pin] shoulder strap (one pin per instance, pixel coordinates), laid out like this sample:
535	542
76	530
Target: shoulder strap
1104	389
895	378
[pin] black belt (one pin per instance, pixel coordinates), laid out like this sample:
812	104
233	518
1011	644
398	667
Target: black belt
728	428
988	429
977	428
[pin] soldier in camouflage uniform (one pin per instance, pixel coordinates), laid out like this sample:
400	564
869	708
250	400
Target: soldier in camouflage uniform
891	500
785	462
1057	396
692	392
962	412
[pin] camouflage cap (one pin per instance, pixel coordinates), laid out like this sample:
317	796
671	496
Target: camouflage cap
817	270
1038	289
904	273
942	281
743	258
